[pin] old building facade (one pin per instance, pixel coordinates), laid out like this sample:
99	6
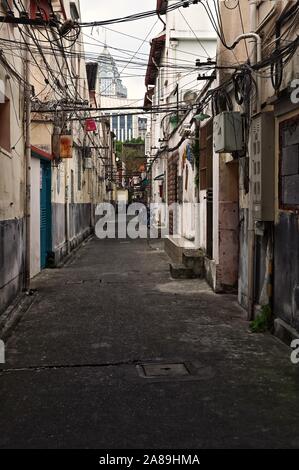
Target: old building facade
12	170
172	82
54	153
246	159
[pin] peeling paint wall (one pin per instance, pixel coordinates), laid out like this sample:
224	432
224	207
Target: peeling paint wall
80	220
243	258
286	268
75	190
12	193
228	228
11	260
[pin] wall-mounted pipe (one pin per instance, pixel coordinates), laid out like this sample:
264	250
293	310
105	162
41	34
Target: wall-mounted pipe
257	55
251	232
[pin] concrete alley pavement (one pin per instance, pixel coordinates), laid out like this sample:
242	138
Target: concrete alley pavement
71	379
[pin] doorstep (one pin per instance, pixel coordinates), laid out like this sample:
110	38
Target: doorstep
175	247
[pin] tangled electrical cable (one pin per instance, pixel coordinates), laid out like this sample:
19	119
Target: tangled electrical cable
221	101
70	30
243	84
277	61
139	16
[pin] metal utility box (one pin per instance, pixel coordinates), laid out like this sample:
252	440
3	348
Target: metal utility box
262	166
228	132
88	163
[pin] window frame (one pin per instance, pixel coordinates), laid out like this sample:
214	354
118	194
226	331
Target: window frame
281	204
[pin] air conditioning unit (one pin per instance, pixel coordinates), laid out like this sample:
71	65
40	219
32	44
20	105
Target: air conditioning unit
228	132
262	166
189	97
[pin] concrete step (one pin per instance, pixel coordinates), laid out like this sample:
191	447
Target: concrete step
195	260
180	271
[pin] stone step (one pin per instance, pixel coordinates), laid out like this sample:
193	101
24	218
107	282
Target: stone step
180	271
195	261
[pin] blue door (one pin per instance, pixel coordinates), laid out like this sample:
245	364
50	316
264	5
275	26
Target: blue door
45	212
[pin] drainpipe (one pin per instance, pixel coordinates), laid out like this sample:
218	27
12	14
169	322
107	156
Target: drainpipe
251	232
253	6
197	198
257	54
257	58
66	206
60	129
27	172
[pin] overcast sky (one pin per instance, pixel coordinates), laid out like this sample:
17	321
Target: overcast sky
92	10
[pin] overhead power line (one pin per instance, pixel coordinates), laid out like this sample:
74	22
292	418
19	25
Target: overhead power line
24	19
138	16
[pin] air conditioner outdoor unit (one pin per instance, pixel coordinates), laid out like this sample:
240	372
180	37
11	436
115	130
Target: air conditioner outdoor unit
189	97
262	166
228	132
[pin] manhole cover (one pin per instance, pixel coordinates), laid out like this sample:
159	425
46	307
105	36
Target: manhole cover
163	370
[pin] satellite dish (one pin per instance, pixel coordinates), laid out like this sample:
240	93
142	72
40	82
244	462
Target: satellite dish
190	97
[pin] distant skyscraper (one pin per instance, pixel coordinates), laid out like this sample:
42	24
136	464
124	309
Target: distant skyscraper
110	81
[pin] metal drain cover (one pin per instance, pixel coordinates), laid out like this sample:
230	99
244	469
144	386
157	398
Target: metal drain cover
152	371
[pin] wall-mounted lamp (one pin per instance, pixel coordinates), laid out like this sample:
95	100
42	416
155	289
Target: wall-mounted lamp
201	117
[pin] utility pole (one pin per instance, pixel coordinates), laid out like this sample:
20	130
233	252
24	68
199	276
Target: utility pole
27	171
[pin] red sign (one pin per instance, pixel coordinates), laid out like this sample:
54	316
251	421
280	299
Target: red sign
66	146
90	125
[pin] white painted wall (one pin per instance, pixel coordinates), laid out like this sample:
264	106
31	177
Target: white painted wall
216	176
189	36
184	46
12	193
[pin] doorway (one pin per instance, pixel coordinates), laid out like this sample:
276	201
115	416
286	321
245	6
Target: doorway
45	213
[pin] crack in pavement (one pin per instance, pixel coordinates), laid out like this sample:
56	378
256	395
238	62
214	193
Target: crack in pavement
130	362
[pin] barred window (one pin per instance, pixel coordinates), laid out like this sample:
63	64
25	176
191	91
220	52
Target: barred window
289	164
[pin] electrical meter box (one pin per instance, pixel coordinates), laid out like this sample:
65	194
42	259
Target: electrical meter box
262	166
88	163
228	132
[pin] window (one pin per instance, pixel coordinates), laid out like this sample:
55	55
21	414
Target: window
6	6
39	7
114	122
5	141
289	164
74	12
206	156
122	122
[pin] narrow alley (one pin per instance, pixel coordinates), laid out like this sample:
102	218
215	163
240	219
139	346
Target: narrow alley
149	228
74	375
